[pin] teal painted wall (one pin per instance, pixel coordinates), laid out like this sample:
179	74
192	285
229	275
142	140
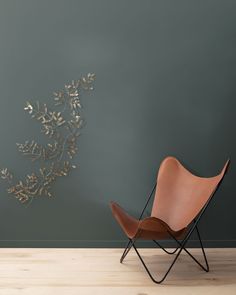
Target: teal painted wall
166	73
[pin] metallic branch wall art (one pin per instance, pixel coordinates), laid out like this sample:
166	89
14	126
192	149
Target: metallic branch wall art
54	159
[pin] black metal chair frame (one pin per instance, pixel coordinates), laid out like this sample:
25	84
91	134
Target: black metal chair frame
181	244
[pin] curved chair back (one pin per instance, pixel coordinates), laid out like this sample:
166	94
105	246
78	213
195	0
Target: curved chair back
180	195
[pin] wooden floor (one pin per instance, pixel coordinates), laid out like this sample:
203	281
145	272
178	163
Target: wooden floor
98	271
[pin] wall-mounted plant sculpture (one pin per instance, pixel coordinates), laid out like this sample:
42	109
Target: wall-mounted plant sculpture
55	159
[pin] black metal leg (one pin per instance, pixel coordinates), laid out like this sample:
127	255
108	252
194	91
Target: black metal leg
126	251
173	252
168	252
181	247
203	251
203	267
147	270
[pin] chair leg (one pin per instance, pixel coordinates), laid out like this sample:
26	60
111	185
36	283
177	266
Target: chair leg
147	270
203	251
204	255
128	247
126	251
181	247
168	252
203	267
131	243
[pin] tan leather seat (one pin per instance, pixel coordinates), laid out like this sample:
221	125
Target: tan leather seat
179	198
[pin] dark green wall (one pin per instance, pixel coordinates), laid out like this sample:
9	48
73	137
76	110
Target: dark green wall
166	73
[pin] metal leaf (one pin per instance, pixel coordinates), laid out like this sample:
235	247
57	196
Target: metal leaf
55	157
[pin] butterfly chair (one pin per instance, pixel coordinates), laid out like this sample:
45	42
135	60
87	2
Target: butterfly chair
180	200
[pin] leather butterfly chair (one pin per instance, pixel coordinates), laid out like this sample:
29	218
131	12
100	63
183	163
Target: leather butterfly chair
180	200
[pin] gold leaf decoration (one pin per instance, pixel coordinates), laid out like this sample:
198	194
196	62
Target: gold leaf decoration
55	159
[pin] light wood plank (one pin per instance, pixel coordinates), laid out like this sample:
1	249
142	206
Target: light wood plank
98	271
